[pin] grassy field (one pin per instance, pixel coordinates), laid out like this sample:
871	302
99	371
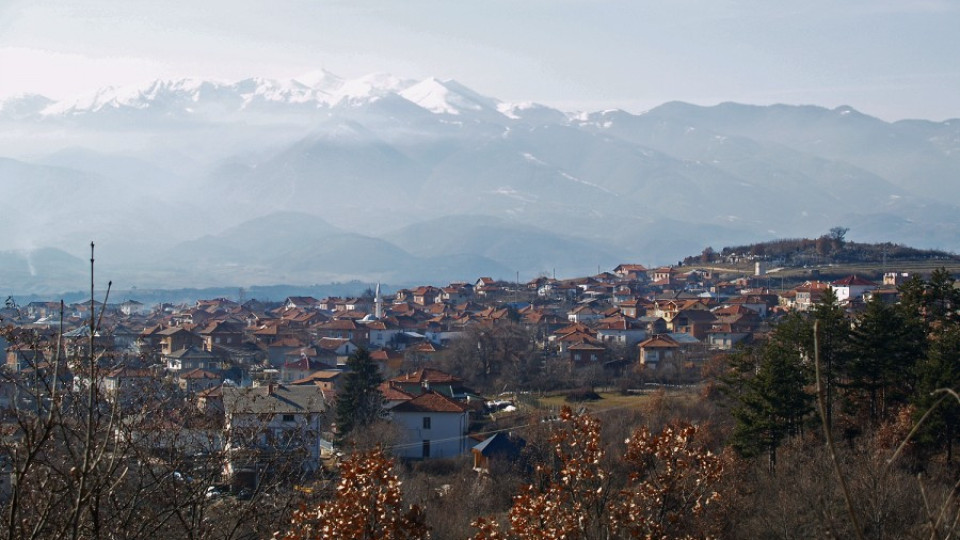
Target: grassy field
613	400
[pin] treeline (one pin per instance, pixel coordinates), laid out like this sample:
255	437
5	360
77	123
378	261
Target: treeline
862	372
829	248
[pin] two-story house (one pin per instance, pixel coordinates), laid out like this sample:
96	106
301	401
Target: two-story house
431	425
272	427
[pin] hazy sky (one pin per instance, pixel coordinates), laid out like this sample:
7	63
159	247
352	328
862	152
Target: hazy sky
893	59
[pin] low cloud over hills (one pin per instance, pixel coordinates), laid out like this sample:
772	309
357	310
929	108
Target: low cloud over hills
197	183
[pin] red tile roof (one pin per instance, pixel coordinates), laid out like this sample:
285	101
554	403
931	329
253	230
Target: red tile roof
430	402
853	281
427	375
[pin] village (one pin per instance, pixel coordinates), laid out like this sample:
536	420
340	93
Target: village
260	380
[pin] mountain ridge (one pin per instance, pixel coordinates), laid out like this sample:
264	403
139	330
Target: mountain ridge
156	170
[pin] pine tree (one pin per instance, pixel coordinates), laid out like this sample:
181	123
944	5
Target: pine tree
941	299
884	350
935	302
773	402
834	339
940	369
360	402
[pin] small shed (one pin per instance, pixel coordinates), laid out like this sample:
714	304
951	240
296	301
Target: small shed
497	446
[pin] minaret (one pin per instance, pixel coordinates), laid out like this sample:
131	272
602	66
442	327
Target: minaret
378	303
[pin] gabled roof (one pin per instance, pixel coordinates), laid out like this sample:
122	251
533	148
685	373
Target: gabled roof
322	375
572	329
198	374
618	323
384	355
499	444
853	281
273	399
190	352
423	347
630	268
339	324
812	286
732	310
173	330
431	402
301	300
427	375
659	342
392	393
332	343
221	327
697	315
579	337
305	364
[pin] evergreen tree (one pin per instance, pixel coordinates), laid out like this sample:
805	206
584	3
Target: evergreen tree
769	386
885	347
941	300
360	402
833	339
941	369
934	302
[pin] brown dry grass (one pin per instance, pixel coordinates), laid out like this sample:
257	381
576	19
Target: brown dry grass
616	400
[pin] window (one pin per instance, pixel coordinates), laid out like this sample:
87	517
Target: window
288	418
426	422
426	448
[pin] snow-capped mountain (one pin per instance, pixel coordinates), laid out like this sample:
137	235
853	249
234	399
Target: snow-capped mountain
431	175
191	96
449	97
317	90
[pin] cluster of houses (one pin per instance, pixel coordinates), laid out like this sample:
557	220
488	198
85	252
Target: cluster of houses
268	373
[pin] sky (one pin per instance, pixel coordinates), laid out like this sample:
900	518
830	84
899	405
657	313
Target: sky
891	59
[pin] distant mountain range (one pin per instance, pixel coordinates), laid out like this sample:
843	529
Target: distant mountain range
200	183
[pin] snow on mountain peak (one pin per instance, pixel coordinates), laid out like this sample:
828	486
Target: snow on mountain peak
200	99
320	79
370	87
447	97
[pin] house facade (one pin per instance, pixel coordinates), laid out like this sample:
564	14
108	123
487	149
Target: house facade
431	426
271	427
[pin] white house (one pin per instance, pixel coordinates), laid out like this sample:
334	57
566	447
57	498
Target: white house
270	426
431	425
583	313
382	331
851	288
622	330
191	358
657	349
